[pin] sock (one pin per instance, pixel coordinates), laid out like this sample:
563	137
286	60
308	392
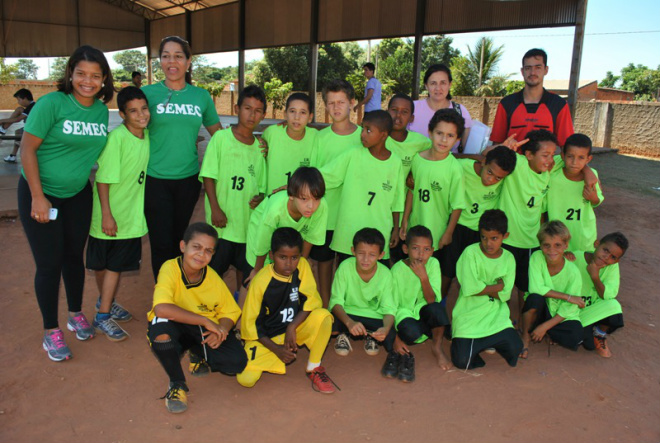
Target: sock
103	316
311	366
599	332
168	356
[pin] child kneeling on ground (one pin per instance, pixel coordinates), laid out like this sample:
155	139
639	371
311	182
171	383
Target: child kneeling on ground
193	309
283	310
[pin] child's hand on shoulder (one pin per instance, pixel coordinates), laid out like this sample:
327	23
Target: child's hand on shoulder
568	255
589	193
256	200
263	145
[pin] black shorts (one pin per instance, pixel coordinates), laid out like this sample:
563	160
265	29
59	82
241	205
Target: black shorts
465	351
323	253
522	256
449	255
114	255
431	316
230	253
568	333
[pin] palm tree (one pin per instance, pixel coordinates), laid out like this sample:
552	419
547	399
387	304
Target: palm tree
484	59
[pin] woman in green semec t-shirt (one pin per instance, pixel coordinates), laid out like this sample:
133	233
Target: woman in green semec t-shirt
178	110
63	138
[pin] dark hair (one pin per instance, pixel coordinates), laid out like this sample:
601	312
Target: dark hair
87	53
252	91
504	157
285	237
24	93
438	68
578	141
450	116
185	47
381	119
536	52
494	220
370	236
338	86
536	137
554	228
617	238
199	228
309	177
370	66
135	74
402	97
302	97
127	94
418	231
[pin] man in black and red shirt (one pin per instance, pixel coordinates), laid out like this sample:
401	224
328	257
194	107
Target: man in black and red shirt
531	108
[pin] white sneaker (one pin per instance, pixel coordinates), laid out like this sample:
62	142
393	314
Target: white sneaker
10	158
371	345
343	345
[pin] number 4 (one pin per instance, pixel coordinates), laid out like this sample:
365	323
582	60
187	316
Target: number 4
530	203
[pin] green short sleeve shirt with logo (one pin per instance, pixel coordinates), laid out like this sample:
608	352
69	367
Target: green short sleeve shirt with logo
567	281
407	289
239	171
285	154
478	198
122	165
406	150
176	117
597	308
73	137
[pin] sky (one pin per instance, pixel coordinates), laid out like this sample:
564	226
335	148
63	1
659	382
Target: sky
617	33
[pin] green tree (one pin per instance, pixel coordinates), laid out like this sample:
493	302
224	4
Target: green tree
58	68
484	58
609	81
121	75
277	93
26	69
7	72
641	80
131	60
514	86
464	77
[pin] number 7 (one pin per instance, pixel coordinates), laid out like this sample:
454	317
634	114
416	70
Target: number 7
371	199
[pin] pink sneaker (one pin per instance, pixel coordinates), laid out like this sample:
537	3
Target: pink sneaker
79	324
54	344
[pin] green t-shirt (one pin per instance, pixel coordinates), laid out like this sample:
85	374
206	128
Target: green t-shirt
273	213
439	190
567	281
285	154
597	308
478	316
521	200
406	150
176	117
565	202
372	190
73	137
407	289
371	299
122	165
478	198
239	171
328	147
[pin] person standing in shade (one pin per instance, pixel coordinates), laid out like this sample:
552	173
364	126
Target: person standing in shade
136	79
372	91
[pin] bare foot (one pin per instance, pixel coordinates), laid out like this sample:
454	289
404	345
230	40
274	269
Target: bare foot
525	350
442	359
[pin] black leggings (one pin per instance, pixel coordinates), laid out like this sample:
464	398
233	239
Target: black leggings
57	248
168	206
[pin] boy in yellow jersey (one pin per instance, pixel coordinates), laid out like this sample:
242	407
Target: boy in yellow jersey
338	138
193	309
283	312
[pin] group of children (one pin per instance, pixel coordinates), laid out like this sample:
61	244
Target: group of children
397	213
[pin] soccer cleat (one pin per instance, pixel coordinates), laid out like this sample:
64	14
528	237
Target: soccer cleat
118	312
371	346
407	368
198	366
391	365
343	345
321	382
54	344
176	399
79	324
110	328
601	346
10	159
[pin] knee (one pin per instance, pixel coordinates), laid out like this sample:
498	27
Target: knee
408	331
162	337
248	379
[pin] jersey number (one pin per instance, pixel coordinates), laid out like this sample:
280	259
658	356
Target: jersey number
288	176
141	178
371	199
287	315
573	212
237	183
424	195
475	208
254	352
530	203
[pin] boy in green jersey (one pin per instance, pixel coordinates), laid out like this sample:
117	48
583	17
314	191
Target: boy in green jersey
302	207
602	314
118	221
480	319
438	196
290	146
234	176
372	186
362	300
569	199
419	314
554	303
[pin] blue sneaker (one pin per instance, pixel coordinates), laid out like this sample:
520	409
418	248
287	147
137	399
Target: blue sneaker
54	344
110	328
79	324
117	311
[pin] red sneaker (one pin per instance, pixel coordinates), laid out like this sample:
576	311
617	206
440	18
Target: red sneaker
601	347
321	382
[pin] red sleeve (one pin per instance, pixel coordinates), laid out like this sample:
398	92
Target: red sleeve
500	125
564	125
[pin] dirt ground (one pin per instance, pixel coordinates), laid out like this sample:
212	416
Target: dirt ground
109	392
